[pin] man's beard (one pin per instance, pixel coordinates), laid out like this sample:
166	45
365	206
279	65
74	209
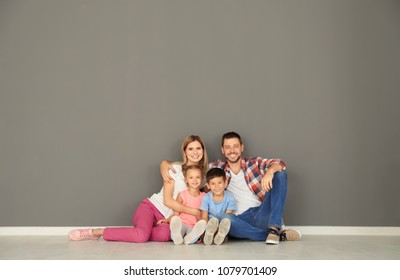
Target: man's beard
234	161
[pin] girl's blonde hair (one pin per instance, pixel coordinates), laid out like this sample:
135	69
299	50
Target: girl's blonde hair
186	168
203	163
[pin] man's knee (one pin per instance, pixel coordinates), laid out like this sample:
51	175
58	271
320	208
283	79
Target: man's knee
280	177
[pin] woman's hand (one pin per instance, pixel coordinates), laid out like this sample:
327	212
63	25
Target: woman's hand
165	166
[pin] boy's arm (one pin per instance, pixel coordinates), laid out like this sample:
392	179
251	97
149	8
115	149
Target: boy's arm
231	207
204	215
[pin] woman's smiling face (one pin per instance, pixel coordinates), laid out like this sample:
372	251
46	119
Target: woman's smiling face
194	152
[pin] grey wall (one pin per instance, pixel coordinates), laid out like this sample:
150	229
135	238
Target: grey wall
94	94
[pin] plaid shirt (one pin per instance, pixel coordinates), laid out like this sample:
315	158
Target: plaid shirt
254	169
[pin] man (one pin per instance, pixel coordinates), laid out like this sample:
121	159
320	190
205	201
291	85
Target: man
259	187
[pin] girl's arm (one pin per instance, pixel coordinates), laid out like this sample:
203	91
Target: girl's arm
170	202
228	211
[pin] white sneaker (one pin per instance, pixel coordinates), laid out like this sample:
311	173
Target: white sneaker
196	232
175	227
211	228
223	229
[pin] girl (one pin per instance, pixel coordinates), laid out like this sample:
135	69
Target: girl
158	206
183	224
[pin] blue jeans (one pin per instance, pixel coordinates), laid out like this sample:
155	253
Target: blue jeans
254	223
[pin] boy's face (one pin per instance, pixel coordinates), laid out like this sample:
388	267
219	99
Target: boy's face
217	185
193	178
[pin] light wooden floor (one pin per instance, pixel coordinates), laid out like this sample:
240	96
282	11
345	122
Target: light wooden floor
310	247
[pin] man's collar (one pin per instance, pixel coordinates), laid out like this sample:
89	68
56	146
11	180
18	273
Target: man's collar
242	165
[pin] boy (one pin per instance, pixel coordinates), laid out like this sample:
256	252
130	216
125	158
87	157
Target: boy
216	203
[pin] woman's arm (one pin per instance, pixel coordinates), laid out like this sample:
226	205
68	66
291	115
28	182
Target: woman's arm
170	202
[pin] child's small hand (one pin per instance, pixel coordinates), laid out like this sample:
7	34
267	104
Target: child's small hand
160	221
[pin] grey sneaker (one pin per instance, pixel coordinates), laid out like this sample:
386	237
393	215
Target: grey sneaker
175	227
196	232
290	235
211	228
223	230
272	237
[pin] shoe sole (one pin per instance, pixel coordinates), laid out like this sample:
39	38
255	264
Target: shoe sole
175	227
272	242
196	232
293	238
223	230
211	228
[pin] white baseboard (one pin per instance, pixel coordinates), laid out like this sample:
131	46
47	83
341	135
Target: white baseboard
336	230
305	230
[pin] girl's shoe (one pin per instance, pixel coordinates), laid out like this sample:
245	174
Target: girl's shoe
175	227
211	228
223	230
82	234
196	232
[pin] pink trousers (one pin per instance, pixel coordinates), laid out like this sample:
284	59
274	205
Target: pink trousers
144	228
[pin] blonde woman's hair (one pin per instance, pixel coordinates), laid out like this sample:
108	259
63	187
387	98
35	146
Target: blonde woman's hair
203	163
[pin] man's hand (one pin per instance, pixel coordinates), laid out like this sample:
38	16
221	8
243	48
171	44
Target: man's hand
266	181
165	166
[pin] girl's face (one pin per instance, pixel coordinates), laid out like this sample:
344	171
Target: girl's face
193	178
194	153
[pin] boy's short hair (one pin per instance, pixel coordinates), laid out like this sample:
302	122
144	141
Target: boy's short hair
215	172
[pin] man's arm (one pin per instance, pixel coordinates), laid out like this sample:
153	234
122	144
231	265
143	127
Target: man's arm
266	181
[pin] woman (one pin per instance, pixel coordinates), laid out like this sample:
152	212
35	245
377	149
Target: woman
159	206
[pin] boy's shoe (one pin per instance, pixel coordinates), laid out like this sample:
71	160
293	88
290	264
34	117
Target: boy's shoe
196	232
273	237
211	228
82	234
290	235
223	230
175	227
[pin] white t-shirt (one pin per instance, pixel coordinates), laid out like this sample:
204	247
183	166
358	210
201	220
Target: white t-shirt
158	198
244	197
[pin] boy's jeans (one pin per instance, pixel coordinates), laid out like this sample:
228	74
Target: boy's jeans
254	222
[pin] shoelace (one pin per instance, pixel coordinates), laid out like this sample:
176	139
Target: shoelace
85	234
273	231
282	236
